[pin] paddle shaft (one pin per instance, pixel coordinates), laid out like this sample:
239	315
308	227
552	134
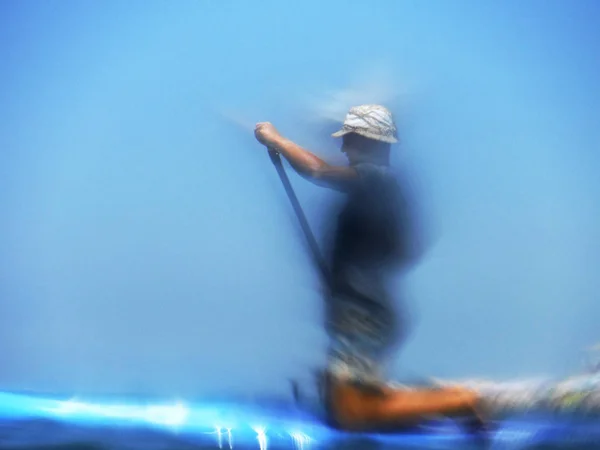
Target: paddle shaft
310	238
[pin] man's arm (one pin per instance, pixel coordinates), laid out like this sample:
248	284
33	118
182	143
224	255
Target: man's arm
306	163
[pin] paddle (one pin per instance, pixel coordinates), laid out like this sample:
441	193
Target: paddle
316	255
315	252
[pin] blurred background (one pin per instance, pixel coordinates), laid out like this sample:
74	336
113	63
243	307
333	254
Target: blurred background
147	246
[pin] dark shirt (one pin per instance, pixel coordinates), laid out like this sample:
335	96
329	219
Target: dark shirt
370	235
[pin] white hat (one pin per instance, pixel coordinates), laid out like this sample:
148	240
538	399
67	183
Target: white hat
371	121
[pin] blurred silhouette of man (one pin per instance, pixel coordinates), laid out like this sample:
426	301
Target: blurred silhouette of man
369	243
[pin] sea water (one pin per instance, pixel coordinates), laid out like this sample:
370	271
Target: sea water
35	423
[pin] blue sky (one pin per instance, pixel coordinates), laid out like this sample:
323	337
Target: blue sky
147	246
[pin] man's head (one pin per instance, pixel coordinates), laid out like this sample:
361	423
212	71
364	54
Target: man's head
368	133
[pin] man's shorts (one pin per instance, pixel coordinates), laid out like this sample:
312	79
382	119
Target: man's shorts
362	334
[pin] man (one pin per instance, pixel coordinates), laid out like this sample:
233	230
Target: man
360	312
